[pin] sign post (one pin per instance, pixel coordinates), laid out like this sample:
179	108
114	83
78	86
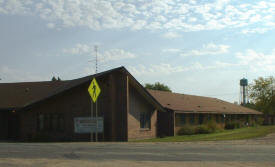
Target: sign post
92	114
94	91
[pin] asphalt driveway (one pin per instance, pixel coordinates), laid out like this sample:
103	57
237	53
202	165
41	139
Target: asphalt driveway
256	152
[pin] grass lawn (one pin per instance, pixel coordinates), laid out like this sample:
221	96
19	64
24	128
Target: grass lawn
236	134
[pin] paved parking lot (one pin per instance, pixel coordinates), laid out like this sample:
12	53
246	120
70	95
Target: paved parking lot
257	152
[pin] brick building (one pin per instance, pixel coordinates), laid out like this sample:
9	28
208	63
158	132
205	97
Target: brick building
32	111
185	109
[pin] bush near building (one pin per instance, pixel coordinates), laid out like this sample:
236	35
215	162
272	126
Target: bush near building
212	127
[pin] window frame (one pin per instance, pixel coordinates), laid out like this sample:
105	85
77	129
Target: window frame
145	120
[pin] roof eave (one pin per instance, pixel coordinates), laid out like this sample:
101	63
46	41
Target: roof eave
216	112
10	109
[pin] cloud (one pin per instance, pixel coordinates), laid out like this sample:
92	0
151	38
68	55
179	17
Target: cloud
171	50
168	69
51	25
171	35
155	69
9	74
139	25
80	49
208	49
257	60
14	7
109	55
258	30
117	54
168	15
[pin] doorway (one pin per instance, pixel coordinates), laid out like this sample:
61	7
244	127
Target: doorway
9	126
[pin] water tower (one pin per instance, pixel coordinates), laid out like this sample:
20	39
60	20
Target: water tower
244	91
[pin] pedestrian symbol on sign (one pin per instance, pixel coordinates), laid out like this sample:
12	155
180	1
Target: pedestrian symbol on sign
94	90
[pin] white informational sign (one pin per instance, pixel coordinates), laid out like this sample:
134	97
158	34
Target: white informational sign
88	124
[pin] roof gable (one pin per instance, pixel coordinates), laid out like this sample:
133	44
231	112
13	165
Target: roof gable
20	95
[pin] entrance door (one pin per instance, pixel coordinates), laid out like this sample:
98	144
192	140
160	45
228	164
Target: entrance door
13	126
3	126
9	126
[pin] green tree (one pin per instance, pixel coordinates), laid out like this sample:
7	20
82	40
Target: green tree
157	86
54	79
262	94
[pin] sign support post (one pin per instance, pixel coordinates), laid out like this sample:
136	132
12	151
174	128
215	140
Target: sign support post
92	134
96	137
94	91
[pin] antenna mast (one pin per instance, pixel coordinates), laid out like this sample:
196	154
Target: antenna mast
96	48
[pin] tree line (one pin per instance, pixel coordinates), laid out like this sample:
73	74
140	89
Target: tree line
261	93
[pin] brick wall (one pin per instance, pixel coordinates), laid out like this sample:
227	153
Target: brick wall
139	104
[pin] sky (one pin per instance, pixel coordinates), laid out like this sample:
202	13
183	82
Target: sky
195	47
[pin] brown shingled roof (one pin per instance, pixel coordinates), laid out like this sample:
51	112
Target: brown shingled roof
19	95
198	104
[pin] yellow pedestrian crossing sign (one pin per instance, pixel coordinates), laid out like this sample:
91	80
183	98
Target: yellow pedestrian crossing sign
94	90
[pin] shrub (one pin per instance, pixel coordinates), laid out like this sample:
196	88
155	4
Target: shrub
212	126
229	125
187	130
253	123
233	125
259	121
203	129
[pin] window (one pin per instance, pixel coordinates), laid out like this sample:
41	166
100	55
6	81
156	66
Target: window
41	122
51	122
145	120
182	119
223	118
201	119
218	119
247	118
54	121
60	122
192	118
47	121
209	117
